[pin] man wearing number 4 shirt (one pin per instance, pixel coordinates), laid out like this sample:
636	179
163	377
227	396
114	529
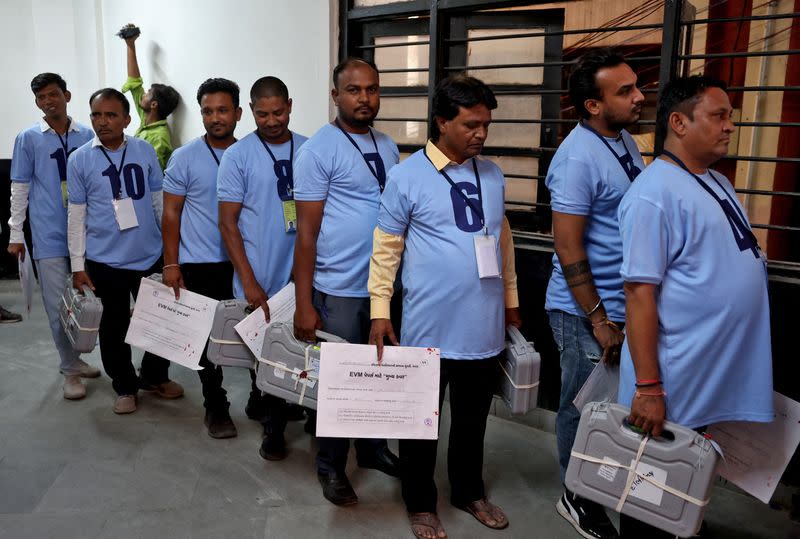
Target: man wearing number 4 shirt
256	217
591	171
114	185
39	178
698	349
194	257
444	203
339	177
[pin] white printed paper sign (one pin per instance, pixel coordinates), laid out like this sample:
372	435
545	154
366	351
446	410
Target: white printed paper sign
644	490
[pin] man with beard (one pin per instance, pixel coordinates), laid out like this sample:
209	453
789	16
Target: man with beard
194	257
39	176
591	171
698	350
341	173
113	219
256	217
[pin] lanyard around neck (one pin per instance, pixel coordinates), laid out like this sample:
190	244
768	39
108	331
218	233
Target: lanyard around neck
478	210
210	149
64	141
118	169
738	216
634	170
354	143
272	155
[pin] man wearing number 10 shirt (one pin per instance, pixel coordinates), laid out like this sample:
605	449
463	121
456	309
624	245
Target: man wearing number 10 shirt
114	238
38	179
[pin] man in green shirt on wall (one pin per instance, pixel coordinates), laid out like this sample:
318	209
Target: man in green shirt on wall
153	107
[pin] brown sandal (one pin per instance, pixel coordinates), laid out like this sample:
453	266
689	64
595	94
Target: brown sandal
427	520
484	506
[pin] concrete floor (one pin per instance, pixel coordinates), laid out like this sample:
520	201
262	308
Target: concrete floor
76	470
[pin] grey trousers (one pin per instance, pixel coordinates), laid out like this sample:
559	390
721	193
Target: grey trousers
53	274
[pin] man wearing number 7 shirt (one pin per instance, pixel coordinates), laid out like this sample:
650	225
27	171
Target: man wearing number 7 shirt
38	177
114	213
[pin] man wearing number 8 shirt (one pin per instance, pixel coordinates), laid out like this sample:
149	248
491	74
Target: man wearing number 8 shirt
256	218
114	213
38	178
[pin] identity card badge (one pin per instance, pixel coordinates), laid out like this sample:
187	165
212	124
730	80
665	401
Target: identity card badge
289	216
126	214
486	256
64	193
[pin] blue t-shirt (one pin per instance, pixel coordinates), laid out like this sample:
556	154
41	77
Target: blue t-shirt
584	178
192	173
714	350
89	181
330	168
445	303
247	175
40	159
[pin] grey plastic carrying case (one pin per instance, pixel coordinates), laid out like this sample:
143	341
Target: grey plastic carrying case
225	347
289	368
519	373
683	460
80	317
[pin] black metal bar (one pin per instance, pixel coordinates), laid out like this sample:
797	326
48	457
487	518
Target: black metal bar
764	192
557	33
669	50
405	70
744	19
421	120
398	8
435	57
387	45
763	159
541	64
763	88
767	124
777	227
344	7
740	54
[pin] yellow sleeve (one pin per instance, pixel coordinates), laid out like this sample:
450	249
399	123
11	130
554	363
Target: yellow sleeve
509	266
387	251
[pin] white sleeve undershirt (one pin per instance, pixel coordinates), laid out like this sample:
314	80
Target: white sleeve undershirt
76	235
19	203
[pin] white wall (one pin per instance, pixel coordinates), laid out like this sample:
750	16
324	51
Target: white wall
183	42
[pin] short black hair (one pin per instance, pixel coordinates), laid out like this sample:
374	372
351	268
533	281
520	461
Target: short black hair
44	79
348	62
112	93
582	80
215	85
458	91
167	98
681	94
268	87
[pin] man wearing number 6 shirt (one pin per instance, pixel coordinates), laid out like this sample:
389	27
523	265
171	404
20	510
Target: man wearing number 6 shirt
39	177
114	213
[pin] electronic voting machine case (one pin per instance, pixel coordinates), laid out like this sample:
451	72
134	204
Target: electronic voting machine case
519	373
225	347
80	317
289	368
605	451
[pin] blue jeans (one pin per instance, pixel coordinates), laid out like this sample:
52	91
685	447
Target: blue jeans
580	352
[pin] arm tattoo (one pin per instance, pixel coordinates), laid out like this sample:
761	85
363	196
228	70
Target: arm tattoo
577	274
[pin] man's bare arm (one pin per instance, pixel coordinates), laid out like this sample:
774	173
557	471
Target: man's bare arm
309	221
234	245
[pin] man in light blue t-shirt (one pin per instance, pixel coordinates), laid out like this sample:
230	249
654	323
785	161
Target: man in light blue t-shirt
591	171
39	184
194	257
255	188
339	176
437	203
698	349
114	238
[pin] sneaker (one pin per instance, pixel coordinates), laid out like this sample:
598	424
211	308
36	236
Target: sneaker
588	518
7	317
166	390
219	424
87	371
126	404
73	387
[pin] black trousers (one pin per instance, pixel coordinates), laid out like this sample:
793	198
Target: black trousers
213	280
114	287
472	383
